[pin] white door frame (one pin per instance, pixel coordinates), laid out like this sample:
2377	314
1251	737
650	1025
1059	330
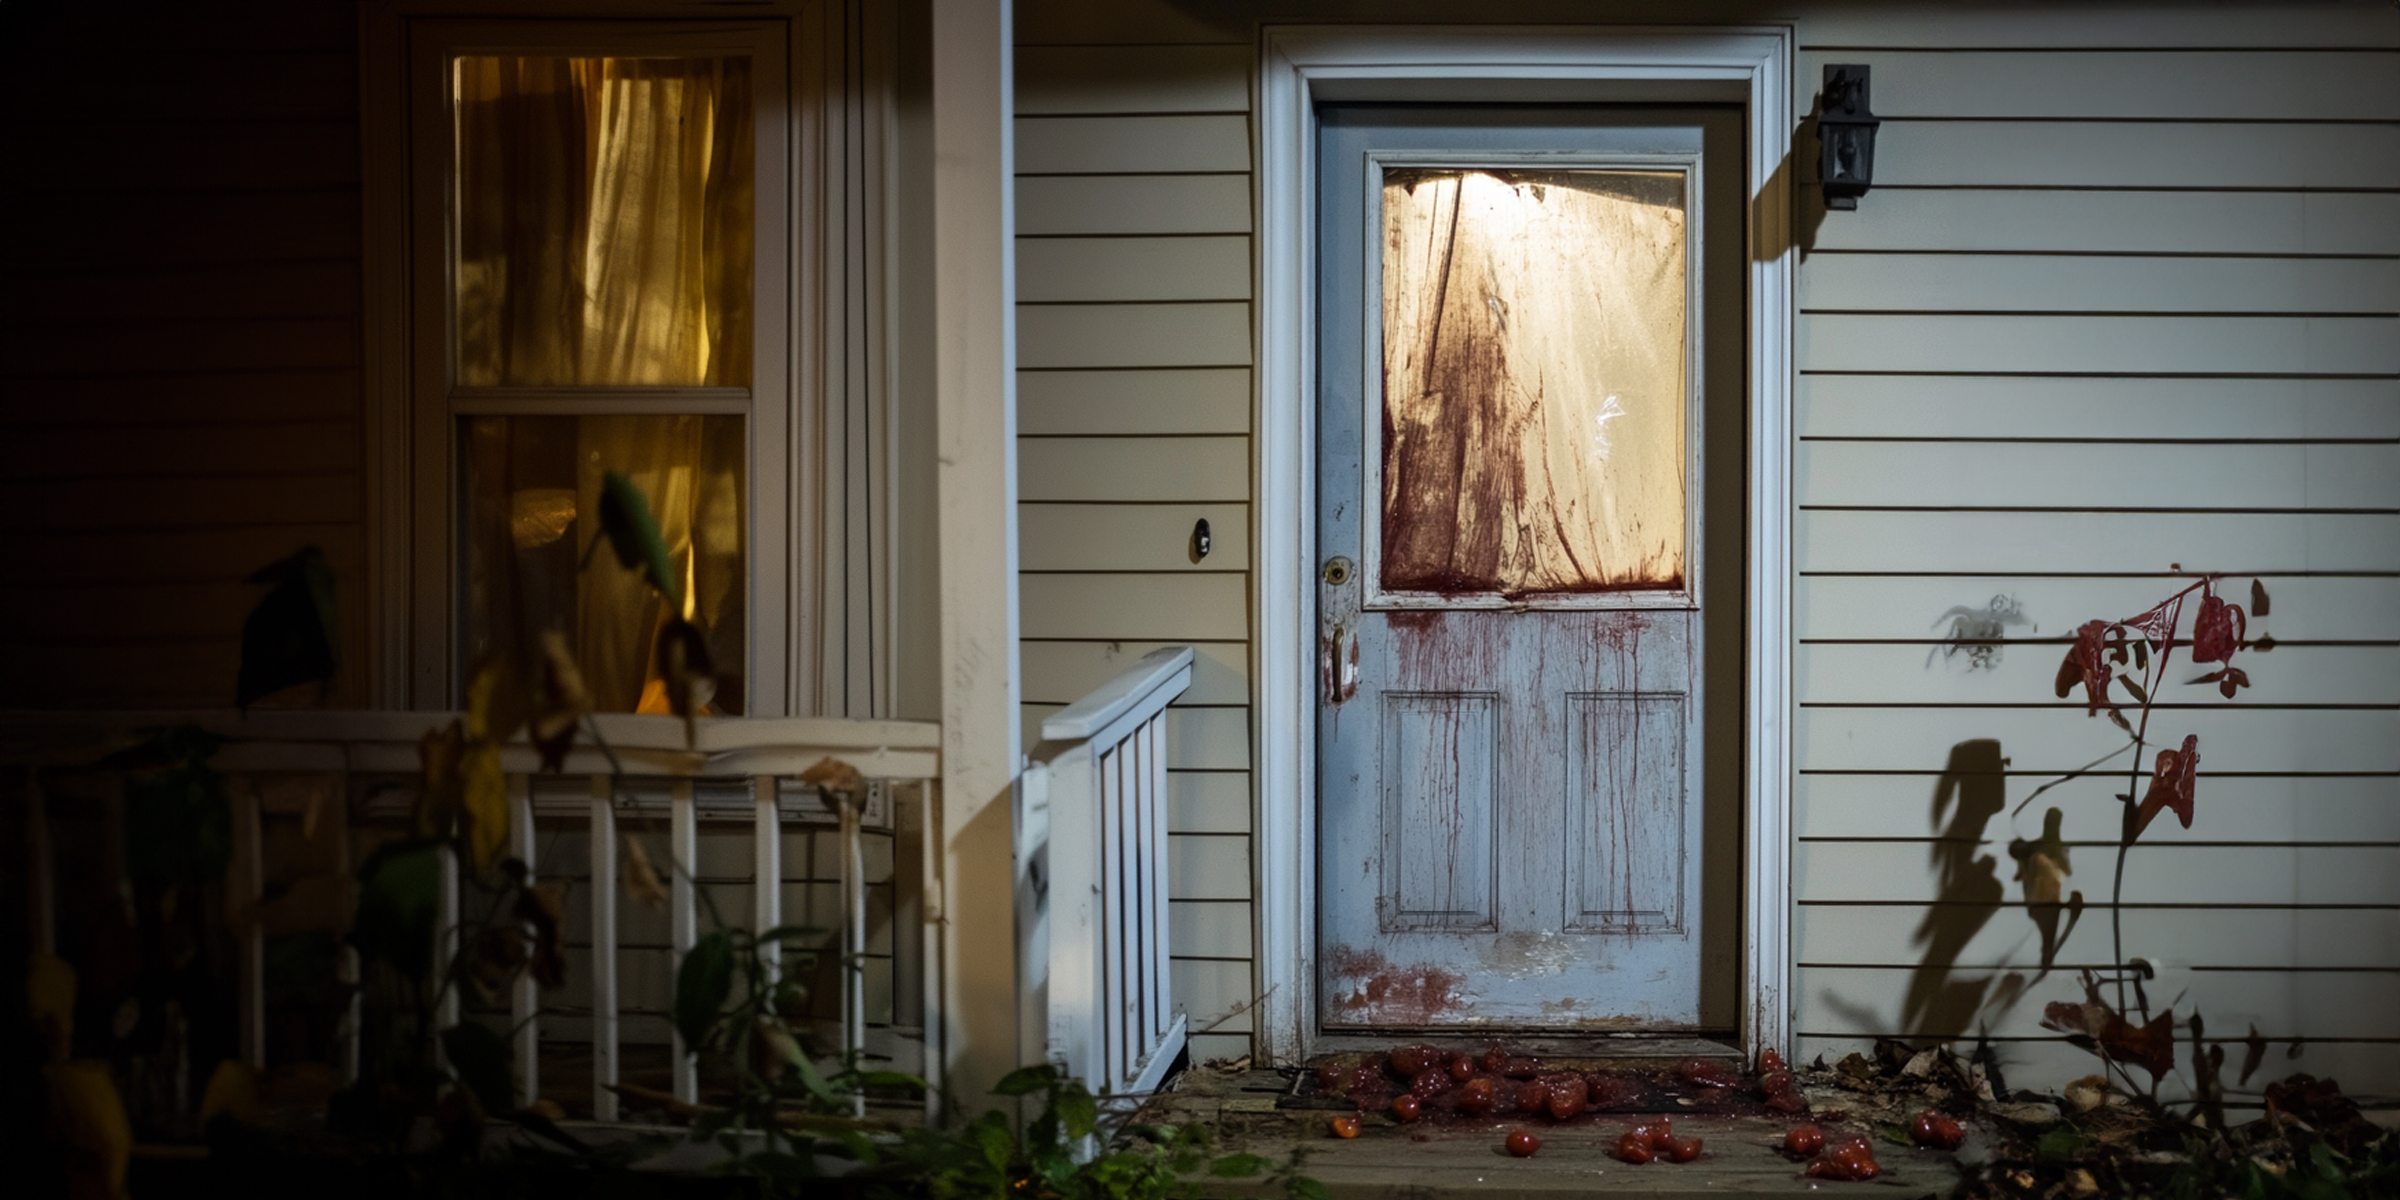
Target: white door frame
1302	65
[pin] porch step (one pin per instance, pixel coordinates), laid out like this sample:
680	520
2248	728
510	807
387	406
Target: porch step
1426	1161
1469	1164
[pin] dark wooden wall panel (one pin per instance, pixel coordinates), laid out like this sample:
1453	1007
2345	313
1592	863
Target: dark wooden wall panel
179	337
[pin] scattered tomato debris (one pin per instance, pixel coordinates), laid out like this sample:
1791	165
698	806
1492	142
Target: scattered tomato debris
1451	1086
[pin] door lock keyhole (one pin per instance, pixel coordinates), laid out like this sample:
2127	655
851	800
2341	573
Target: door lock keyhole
1337	571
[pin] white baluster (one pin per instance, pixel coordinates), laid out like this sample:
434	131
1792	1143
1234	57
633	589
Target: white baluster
683	824
604	948
445	939
525	998
249	882
766	865
1154	807
854	938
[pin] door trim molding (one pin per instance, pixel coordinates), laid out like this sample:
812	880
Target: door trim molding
1301	65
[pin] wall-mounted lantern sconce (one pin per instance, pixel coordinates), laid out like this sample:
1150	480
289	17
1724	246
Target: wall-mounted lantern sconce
1846	135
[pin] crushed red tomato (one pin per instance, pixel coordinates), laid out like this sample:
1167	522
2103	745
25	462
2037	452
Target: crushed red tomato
1458	1086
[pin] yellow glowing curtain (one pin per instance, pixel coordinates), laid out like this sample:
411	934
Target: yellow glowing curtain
604	221
1534	383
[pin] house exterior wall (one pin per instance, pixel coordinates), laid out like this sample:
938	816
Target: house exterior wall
179	337
2107	312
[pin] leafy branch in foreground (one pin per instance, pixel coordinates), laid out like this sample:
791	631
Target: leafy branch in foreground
2136	654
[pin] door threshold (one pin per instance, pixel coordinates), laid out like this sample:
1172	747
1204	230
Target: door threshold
1564	1045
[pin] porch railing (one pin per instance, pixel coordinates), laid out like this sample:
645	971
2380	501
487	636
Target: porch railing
739	773
1093	882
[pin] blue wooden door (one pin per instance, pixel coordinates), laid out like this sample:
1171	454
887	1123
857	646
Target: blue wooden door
1509	526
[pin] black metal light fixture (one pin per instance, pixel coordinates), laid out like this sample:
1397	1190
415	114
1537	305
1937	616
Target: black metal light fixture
1846	136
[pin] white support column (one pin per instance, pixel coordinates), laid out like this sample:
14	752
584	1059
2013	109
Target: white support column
766	864
604	948
683	826
248	879
972	206
525	998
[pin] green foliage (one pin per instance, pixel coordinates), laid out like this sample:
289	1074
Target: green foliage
399	895
990	1159
480	1057
178	819
2317	1171
632	535
702	985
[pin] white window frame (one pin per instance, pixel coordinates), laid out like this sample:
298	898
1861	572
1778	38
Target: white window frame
414	409
1301	66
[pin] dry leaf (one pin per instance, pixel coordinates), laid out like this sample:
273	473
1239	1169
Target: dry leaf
685	668
773	1049
438	756
2151	1046
498	953
2088	1093
543	906
833	777
564	701
484	801
313	806
641	879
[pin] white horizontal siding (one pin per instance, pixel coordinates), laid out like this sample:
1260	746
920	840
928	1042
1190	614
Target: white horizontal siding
2182	85
2035	542
1110	80
2030	283
2132	221
1201	400
1915	609
2099	345
1135	470
2115	409
1106	204
1984	152
1134	352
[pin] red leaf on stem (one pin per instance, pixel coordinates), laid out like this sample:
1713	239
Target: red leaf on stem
2218	630
2170	785
2087	664
2151	1045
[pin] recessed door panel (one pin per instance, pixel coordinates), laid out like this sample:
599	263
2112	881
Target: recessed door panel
1440	758
1626	811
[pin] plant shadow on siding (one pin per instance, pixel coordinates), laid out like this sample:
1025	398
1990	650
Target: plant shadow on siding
1940	1004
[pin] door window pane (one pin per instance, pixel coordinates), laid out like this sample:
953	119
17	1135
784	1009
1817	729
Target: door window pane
533	494
603	221
1534	366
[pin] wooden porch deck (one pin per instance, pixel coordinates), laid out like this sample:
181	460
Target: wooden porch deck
1423	1161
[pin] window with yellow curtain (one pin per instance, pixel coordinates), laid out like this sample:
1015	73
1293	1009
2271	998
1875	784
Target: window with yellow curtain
601	240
